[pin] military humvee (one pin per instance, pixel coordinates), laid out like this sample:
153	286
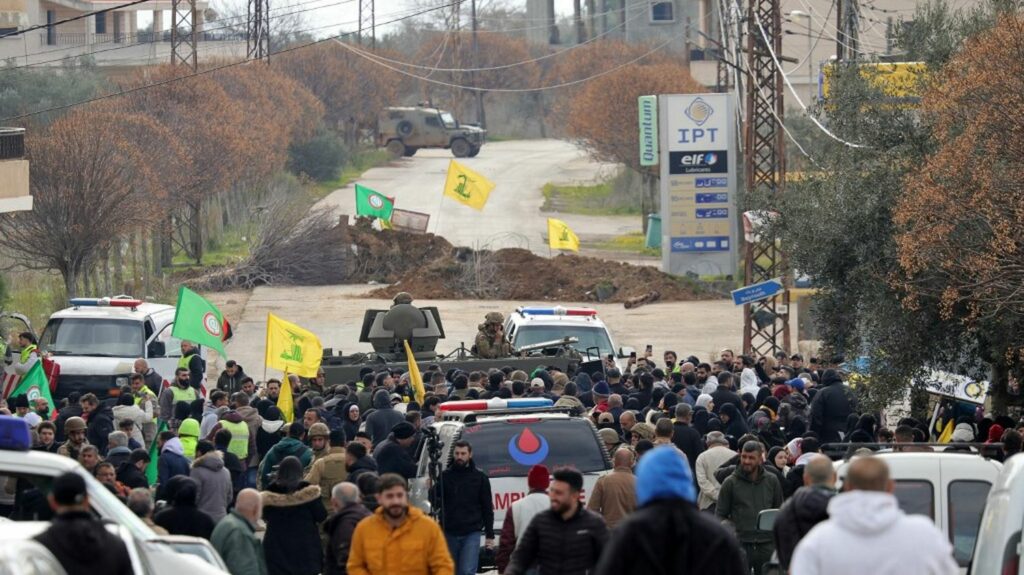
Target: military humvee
407	129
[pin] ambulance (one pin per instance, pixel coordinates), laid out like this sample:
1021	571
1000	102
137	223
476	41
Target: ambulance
508	437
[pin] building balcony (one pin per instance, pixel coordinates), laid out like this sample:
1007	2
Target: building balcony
14	189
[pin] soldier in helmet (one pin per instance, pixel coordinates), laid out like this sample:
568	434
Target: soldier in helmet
74	431
490	340
402	298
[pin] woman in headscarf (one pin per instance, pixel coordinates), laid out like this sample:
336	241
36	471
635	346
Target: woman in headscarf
350	423
734	422
706	401
700	421
749	404
865	431
293	511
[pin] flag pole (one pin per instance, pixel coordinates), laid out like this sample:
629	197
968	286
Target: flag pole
266	350
437	223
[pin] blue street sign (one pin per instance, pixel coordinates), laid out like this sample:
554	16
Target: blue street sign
757	292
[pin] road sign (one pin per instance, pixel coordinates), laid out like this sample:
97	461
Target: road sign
757	292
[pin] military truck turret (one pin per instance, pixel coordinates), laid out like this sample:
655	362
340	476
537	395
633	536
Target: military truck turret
404	130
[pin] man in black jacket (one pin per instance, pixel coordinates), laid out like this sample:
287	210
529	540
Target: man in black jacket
78	540
464	499
831	406
392	455
566	539
724	393
685	437
99	419
807	507
667	534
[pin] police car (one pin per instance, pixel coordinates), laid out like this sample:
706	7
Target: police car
529	326
27	477
509	437
96	341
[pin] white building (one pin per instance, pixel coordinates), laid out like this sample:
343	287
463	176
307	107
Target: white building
111	38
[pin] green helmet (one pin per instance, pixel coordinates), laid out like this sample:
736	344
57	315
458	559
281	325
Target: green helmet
74	424
494	317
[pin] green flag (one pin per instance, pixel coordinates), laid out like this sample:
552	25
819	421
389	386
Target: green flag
373	204
35	385
154	455
199	321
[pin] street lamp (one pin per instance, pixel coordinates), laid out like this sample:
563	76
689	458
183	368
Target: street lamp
810	64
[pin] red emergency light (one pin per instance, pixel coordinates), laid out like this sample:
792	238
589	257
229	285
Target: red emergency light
105	302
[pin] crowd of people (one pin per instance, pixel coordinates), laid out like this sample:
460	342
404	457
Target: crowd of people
698	449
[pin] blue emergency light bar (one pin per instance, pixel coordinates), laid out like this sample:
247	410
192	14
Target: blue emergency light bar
14	434
104	302
558	310
497	403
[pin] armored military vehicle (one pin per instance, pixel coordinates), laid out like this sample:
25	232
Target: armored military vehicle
386	330
404	130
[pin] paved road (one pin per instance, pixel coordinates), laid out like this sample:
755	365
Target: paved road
512	216
335	314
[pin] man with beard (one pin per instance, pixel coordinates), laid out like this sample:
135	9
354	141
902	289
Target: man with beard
744	494
566	539
395	525
464	497
180	392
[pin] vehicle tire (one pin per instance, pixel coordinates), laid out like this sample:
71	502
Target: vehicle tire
396	148
473	152
461	148
404	128
409	151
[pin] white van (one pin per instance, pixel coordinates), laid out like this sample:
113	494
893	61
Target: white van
948	487
97	340
998	550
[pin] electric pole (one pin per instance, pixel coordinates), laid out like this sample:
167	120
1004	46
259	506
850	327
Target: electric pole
183	34
848	24
367	34
481	118
766	322
258	31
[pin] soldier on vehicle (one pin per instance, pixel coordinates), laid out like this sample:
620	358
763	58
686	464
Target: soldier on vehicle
490	339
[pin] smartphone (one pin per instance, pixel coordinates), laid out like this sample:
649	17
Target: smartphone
650	348
632	354
610	357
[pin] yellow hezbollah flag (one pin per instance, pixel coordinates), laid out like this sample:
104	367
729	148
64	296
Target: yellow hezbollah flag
414	374
947	433
561	236
291	348
467	186
284	400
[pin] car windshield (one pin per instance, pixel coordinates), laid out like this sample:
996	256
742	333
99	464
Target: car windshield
510	448
589	336
449	120
93	337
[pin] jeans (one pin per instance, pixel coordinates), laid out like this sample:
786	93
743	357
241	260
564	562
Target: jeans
757	555
250	476
465	550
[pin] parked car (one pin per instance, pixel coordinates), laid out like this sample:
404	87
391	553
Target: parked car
998	549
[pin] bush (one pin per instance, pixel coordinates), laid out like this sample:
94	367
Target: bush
320	158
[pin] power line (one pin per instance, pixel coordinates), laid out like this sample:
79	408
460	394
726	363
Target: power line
373	59
799	101
433	69
214	69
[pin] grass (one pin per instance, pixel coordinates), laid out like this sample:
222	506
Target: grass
358	163
226	248
610	198
629	243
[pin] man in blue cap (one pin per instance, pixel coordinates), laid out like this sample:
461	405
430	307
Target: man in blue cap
667	533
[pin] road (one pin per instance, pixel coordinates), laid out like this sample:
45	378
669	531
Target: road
512	216
335	314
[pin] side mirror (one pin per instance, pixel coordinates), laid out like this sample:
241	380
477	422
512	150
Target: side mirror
626	351
766	519
157	349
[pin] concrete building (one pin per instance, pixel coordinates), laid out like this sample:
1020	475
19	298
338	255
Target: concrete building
112	38
14	190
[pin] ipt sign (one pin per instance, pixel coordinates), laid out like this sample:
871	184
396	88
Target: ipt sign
703	131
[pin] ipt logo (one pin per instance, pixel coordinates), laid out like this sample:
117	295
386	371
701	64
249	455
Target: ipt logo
211	324
699	111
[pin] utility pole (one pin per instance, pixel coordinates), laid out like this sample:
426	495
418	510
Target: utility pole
367	34
581	33
258	31
848	26
183	34
766	322
481	117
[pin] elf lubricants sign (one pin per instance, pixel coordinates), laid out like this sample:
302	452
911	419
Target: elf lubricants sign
698	184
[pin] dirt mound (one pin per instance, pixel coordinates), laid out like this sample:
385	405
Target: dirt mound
429	267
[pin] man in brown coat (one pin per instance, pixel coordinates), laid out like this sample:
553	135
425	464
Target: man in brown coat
614	495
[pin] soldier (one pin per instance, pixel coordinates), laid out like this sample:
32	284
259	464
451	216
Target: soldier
490	340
